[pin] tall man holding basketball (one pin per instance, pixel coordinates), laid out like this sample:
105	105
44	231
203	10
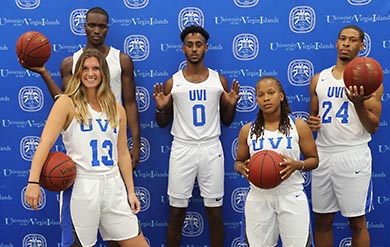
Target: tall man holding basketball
345	122
122	84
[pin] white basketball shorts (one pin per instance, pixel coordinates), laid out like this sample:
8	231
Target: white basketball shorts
101	202
342	182
203	161
270	214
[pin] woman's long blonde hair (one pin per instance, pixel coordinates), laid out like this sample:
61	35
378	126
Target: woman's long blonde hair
77	91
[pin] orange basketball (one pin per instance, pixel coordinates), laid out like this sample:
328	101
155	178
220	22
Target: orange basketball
364	71
58	172
264	169
33	48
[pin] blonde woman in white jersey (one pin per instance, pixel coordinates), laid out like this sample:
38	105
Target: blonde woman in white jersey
281	212
345	120
122	84
93	128
197	100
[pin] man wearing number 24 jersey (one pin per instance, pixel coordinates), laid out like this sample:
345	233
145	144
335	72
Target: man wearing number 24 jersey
345	120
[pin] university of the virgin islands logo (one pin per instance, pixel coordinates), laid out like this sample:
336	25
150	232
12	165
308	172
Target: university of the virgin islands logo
245	46
234	148
143	98
28	145
190	16
137	47
143	196
307	177
359	2
144	150
238	199
246	3
193	225
40	205
34	240
300	71
367	46
238	243
247	101
30	98
346	242
302	19
77	20
27	4
182	65
301	114
136	4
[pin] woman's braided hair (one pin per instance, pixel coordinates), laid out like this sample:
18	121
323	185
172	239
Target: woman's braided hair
284	124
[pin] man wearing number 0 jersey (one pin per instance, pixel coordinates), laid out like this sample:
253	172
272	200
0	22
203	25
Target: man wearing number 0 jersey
345	120
197	100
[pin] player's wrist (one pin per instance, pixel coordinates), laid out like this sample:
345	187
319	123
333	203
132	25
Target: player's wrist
32	182
49	81
302	167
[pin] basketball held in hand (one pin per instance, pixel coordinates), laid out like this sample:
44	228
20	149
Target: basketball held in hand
363	71
33	49
58	172
264	169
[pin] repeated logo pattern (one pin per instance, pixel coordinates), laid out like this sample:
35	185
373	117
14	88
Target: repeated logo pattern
190	16
302	19
137	47
143	98
136	4
290	41
31	98
77	21
245	46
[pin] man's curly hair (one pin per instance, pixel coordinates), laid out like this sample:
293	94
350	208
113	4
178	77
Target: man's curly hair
194	29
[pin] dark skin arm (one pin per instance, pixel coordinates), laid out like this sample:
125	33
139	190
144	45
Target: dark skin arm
306	144
314	120
66	71
228	101
46	77
130	105
368	108
164	103
242	156
308	150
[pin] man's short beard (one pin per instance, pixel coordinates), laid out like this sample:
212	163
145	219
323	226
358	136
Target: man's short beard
194	62
345	59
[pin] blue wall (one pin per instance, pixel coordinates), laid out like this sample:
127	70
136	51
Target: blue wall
291	40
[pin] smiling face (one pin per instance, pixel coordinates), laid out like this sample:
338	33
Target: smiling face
269	96
91	75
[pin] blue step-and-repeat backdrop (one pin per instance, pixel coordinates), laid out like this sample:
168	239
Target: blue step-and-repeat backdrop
291	40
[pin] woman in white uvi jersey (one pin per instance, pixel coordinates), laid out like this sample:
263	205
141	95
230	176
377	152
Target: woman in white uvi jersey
283	210
93	128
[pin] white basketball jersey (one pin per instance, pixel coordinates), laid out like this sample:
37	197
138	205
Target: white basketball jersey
113	61
196	107
279	142
93	148
340	124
